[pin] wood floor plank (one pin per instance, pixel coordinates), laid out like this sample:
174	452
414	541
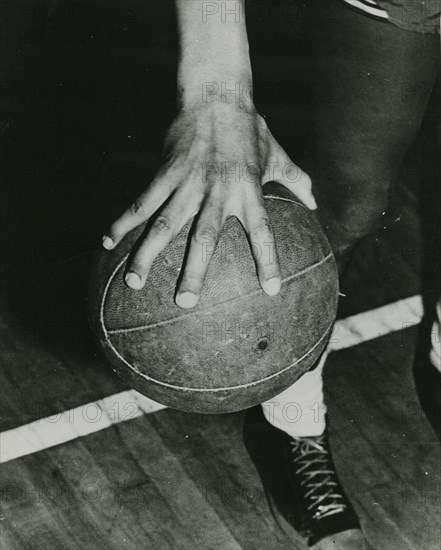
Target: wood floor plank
10	538
187	501
66	486
40	491
383	444
103	505
139	493
212	452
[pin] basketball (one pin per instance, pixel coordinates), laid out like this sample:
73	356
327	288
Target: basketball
238	346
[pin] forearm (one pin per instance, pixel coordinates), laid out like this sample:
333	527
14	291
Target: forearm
214	61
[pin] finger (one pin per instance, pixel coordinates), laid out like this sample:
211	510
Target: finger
202	246
141	209
260	234
293	178
164	227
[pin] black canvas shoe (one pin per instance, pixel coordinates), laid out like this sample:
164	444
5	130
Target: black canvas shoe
302	487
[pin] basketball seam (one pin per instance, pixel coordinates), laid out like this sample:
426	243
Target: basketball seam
285	200
227	388
201	312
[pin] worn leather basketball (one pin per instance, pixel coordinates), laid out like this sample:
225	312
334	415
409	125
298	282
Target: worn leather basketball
238	346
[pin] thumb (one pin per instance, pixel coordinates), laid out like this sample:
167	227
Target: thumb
291	176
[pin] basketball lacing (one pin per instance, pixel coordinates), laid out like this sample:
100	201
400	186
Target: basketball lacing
317	477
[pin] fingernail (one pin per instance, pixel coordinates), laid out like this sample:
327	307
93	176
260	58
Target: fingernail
272	286
186	299
133	280
108	243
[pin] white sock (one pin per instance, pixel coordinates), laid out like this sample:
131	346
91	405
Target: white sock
300	410
435	352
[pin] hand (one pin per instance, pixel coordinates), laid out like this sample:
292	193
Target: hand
217	158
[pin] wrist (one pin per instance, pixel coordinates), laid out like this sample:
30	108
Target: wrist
230	89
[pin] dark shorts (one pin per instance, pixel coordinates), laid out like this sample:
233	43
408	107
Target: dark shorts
378	79
414	15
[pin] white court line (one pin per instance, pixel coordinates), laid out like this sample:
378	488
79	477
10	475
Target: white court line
74	423
371	324
114	409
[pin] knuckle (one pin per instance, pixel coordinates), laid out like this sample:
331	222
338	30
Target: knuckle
206	234
253	171
261	227
162	225
192	277
137	208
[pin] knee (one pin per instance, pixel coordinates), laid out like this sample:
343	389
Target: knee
362	212
354	200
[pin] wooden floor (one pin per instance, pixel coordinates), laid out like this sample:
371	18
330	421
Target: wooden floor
88	94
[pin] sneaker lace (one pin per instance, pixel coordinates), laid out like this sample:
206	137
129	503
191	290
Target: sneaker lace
318	478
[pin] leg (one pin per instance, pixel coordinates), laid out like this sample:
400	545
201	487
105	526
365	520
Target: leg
373	82
427	367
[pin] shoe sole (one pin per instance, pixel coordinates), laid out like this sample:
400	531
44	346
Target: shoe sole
284	525
352	539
